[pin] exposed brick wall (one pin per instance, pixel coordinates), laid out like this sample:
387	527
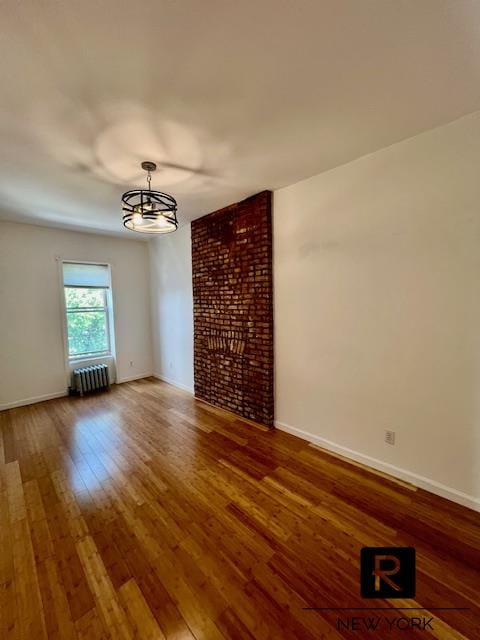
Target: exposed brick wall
233	308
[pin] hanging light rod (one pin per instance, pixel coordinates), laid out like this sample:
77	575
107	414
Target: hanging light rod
149	211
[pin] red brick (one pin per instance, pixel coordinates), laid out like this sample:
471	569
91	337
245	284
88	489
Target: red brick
233	308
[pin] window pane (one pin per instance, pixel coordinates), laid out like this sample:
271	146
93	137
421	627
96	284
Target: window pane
76	297
87	332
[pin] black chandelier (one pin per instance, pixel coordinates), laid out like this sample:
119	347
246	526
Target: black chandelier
148	211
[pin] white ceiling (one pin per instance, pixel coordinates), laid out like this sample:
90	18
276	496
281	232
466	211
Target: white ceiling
234	97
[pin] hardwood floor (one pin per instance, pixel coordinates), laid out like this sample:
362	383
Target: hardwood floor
142	513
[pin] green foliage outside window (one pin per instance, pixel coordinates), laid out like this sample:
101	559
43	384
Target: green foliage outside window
87	325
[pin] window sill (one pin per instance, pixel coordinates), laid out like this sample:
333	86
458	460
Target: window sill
79	359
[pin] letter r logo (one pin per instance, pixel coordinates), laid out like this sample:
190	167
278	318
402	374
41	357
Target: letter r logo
387	572
382	573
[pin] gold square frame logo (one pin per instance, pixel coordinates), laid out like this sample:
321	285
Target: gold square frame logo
387	572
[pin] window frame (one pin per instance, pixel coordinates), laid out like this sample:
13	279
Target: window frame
110	300
89	354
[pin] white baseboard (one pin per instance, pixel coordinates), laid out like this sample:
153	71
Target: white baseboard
433	486
137	376
174	383
33	400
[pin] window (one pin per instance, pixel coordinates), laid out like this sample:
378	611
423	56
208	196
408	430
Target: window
87	308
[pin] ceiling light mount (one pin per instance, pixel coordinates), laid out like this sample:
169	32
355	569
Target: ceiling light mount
148	166
149	211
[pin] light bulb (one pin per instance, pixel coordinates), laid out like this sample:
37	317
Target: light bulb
137	218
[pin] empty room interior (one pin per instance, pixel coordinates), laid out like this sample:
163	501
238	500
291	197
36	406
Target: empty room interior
240	320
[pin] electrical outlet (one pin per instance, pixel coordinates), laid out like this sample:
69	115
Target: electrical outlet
390	437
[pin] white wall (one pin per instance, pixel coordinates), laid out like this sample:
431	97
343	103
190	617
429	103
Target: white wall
32	359
172	307
377	308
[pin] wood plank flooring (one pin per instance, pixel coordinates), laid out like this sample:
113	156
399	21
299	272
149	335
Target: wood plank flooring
143	513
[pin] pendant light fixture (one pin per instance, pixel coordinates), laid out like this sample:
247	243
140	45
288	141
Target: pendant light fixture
148	211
